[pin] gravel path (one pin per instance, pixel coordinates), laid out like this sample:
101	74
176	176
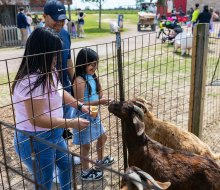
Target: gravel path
12	54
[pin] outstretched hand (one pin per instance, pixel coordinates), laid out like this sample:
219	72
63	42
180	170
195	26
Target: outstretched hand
85	109
105	101
80	123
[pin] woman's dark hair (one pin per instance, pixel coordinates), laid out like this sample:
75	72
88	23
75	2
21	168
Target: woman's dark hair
84	57
41	47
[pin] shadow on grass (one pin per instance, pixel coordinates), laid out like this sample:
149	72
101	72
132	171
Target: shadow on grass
186	55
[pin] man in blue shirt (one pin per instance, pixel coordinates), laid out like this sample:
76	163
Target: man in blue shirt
55	16
22	25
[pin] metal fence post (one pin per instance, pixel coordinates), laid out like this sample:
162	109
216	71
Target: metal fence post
198	78
4	158
121	89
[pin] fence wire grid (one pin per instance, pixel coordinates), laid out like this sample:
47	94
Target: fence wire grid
151	69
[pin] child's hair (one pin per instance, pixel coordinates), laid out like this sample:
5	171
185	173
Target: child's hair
41	47
73	24
84	57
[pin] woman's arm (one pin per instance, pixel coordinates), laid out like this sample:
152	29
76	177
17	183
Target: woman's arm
69	100
35	111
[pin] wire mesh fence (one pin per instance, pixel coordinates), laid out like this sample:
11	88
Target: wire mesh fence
211	112
150	69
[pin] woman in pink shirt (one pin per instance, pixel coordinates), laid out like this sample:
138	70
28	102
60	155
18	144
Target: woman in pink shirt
38	99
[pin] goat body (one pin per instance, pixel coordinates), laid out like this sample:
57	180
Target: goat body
185	170
183	41
172	136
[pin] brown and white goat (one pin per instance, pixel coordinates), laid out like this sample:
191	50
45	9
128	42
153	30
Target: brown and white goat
136	179
170	135
185	170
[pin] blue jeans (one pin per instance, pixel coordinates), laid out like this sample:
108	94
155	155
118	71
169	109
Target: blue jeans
46	157
68	112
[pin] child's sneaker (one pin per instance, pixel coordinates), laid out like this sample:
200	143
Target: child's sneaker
106	161
91	174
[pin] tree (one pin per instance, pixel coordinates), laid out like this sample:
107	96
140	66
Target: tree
99	3
138	2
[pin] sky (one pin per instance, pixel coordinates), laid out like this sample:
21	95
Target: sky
108	4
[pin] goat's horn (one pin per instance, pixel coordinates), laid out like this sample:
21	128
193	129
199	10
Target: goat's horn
150	178
143	101
140	104
140	111
136	180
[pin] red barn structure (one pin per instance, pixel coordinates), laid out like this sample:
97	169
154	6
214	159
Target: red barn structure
9	10
37	5
163	6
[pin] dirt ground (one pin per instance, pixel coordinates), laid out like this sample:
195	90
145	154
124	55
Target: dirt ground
114	147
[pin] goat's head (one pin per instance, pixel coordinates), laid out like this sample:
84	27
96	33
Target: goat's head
129	112
137	179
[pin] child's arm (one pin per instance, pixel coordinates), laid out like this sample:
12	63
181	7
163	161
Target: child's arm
79	89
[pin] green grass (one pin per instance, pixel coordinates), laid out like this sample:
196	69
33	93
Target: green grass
214	95
114	11
4	78
91	26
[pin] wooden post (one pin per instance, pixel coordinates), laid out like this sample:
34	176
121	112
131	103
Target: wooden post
69	12
1	35
198	78
121	91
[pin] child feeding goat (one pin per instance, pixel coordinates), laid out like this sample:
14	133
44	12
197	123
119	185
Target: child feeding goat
185	170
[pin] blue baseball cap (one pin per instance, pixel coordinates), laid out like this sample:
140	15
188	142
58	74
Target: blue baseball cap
55	9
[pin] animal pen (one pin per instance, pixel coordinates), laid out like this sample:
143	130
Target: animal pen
183	90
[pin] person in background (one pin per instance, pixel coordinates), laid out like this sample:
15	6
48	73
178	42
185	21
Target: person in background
214	16
36	20
161	25
55	19
22	24
180	11
81	23
191	13
37	100
204	16
87	88
29	21
73	27
195	15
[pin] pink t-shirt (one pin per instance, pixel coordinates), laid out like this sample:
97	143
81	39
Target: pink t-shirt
53	97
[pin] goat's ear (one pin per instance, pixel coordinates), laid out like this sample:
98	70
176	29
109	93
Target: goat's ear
139	125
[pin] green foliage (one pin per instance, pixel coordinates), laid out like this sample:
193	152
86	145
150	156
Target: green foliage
97	2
